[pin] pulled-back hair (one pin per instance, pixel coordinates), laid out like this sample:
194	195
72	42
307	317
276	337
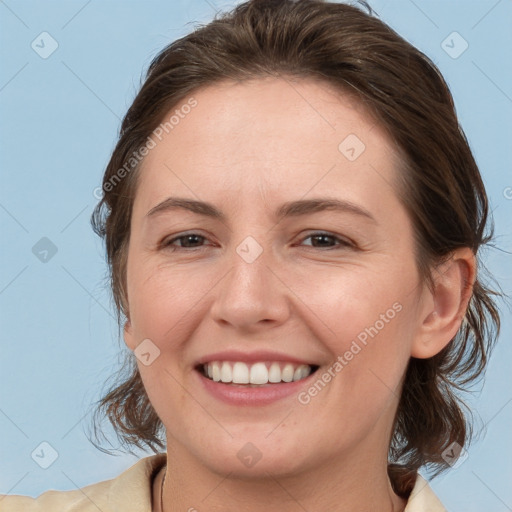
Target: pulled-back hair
440	186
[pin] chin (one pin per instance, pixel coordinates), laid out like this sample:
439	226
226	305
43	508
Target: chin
257	458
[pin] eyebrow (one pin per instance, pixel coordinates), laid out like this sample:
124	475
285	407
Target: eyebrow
288	209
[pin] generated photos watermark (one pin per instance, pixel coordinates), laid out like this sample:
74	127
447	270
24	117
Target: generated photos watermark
137	156
357	345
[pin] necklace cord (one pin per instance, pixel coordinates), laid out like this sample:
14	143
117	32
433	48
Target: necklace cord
162	491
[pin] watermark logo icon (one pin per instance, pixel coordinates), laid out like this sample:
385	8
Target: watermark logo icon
249	455
454	455
44	45
44	250
146	352
454	45
249	250
351	147
44	455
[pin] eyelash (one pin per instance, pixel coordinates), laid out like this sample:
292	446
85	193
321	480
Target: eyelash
342	242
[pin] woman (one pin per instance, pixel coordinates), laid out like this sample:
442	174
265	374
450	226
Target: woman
292	220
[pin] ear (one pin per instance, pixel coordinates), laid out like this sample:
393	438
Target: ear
128	335
444	307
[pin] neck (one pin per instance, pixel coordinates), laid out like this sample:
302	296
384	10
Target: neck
341	485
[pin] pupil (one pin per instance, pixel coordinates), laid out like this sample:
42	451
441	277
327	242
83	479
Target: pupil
193	238
323	238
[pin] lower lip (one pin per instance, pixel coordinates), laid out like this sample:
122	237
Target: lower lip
246	395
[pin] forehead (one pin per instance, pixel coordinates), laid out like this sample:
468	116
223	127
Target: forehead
269	137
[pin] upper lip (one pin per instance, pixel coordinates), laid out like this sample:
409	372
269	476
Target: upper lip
253	357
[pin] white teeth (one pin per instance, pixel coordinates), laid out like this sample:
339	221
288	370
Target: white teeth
301	372
287	373
215	371
274	373
226	374
257	373
240	373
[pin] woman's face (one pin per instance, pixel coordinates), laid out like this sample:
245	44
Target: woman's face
257	271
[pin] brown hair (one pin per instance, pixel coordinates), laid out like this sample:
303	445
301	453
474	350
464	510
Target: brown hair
441	188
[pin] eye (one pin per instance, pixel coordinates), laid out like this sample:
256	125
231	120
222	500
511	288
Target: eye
327	241
186	241
318	240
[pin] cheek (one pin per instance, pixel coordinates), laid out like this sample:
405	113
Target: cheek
165	302
366	320
353	304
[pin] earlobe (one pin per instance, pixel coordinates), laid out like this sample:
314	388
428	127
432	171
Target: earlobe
128	335
448	301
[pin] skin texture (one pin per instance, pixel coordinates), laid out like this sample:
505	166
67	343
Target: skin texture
247	148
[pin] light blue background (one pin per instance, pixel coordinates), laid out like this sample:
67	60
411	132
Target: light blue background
59	120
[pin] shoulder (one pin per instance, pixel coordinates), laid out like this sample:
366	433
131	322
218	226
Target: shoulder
422	498
130	491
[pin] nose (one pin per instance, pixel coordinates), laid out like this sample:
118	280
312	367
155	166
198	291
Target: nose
252	295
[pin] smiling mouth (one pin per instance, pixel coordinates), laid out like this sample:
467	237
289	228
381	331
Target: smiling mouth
256	374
